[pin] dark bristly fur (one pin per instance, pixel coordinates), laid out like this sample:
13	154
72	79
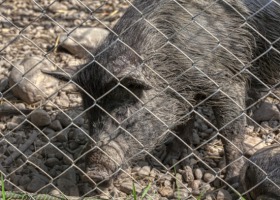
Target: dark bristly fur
172	55
260	175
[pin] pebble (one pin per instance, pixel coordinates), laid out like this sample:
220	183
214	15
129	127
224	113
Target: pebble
68	187
3	84
253	144
195	185
195	138
127	187
49	132
2	126
51	162
208	177
166	192
73	145
18	119
66	121
198	174
11	125
208	197
223	195
24	180
167	183
56	125
250	129
144	171
40	118
35	184
181	194
154	173
179	181
62	102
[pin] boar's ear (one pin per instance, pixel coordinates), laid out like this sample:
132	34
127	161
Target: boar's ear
65	75
135	83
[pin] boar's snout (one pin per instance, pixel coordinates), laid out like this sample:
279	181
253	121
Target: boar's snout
102	162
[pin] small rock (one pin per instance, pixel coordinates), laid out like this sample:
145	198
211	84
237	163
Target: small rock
73	145
195	185
77	135
269	138
11	125
68	187
62	102
2	126
198	174
55	192
66	121
4	84
57	7
62	137
253	144
187	174
18	119
223	195
179	181
167	183
144	171
208	177
250	129
181	194
195	138
166	177
40	118
35	184
24	180
127	187
166	192
205	187
51	162
209	197
56	125
49	132
154	173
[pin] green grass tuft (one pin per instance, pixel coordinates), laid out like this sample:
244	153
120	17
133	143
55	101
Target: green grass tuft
146	190
134	192
3	188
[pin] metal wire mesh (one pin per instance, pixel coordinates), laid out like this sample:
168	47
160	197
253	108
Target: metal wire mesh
169	105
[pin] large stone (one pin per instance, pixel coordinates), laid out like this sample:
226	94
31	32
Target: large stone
84	39
29	83
266	112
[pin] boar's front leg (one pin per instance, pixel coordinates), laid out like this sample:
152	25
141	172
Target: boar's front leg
231	125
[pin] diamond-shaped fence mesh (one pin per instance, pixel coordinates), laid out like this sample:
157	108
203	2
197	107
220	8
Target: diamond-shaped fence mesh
144	99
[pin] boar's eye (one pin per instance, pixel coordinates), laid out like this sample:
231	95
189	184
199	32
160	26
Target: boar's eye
133	83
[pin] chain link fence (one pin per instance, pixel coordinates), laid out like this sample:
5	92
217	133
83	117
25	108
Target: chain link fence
174	100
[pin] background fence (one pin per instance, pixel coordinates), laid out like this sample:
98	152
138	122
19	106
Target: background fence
44	130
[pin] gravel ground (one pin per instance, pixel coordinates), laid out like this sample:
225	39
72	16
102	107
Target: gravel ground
40	152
